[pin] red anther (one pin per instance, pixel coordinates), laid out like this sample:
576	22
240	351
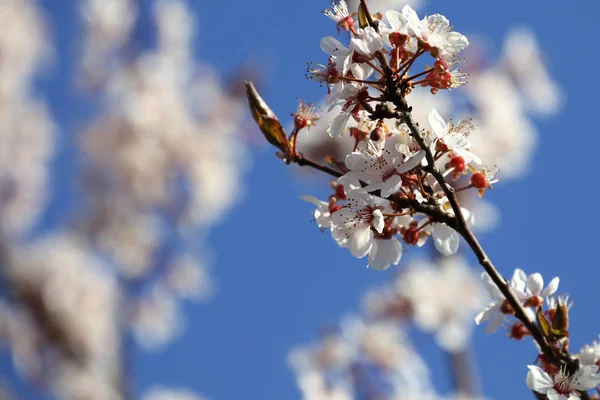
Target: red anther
340	193
411	235
518	331
506	308
458	163
333	209
478	181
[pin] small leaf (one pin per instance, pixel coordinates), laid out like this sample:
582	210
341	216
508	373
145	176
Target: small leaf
363	21
543	323
266	119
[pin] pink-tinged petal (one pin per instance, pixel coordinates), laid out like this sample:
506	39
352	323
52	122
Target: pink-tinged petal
445	239
535	284
438	125
551	288
391	186
378	221
361	241
538	380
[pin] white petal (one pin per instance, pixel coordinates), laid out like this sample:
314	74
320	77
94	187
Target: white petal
343	217
491	287
391	185
551	288
384	253
338	126
412	162
355	161
437	124
487	313
519	279
396	20
378	221
538	380
495	323
330	45
535	283
445	239
412	20
312	199
361	241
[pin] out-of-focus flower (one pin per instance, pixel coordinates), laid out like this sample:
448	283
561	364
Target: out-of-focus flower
524	60
156	318
164	393
444	299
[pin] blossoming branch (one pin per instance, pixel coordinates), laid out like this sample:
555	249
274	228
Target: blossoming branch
398	186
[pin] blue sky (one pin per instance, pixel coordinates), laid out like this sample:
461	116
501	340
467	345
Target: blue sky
280	279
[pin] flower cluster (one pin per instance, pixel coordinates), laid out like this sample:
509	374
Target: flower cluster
397	186
374	208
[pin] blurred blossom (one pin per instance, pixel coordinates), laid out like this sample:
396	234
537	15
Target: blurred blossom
26	128
163	393
375	356
60	282
156	318
504	135
440	299
160	163
444	299
107	25
314	386
189	279
485	214
524	60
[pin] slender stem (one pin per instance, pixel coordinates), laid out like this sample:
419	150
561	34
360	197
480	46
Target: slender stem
464	230
410	78
349	78
303	160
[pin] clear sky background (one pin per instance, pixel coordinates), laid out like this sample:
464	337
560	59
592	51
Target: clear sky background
280	280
